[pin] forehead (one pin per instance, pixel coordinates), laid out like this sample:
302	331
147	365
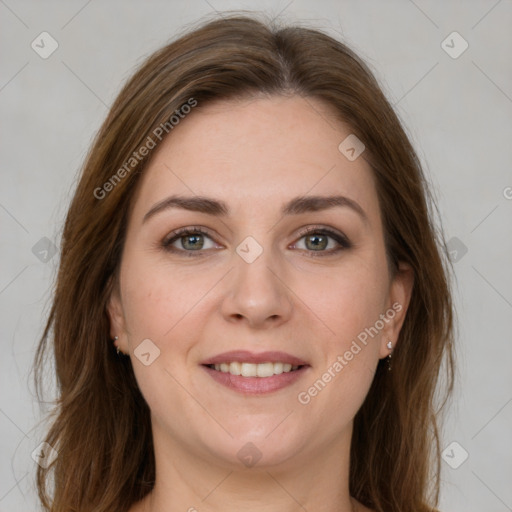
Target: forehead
256	152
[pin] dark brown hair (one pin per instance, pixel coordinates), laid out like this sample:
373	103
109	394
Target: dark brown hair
101	425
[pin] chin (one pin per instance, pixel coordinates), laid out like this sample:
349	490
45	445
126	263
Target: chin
257	448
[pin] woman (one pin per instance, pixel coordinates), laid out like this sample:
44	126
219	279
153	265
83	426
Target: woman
251	310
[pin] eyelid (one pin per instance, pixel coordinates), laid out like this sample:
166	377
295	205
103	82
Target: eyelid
339	237
182	232
334	233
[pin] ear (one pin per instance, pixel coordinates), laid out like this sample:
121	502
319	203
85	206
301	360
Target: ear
400	292
117	320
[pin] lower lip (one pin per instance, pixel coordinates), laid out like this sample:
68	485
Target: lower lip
256	385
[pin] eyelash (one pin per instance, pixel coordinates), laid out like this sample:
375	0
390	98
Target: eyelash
339	238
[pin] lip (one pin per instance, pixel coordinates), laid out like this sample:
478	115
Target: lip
244	356
256	385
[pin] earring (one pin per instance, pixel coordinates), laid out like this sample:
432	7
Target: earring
389	345
117	348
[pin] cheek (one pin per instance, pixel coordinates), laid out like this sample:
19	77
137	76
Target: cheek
157	298
347	300
156	306
147	309
344	373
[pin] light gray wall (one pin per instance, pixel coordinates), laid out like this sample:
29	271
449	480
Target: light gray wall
458	112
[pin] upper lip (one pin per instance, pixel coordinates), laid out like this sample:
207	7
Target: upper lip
244	356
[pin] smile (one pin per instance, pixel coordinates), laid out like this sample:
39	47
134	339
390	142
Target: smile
255	379
254	370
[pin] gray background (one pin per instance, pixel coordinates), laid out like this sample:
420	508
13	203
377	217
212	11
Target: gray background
458	112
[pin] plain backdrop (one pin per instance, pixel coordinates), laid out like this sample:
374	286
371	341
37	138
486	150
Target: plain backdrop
455	102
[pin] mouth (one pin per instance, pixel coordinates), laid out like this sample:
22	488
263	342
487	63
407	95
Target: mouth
261	370
255	373
251	373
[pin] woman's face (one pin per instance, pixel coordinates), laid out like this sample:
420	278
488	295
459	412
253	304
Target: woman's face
289	267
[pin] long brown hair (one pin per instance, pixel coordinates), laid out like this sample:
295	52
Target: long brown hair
101	425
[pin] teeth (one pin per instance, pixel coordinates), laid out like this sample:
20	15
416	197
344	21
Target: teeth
255	370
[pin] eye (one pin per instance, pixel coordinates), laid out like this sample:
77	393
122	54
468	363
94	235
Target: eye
191	240
187	240
316	240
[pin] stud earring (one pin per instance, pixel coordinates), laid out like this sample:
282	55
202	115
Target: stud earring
389	345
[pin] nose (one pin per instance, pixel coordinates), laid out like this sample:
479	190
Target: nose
257	293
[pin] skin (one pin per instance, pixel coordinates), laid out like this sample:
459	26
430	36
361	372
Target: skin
255	155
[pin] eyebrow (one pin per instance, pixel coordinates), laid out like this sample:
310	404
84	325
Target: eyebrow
218	208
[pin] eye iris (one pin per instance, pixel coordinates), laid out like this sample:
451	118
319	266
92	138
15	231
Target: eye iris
197	241
322	244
